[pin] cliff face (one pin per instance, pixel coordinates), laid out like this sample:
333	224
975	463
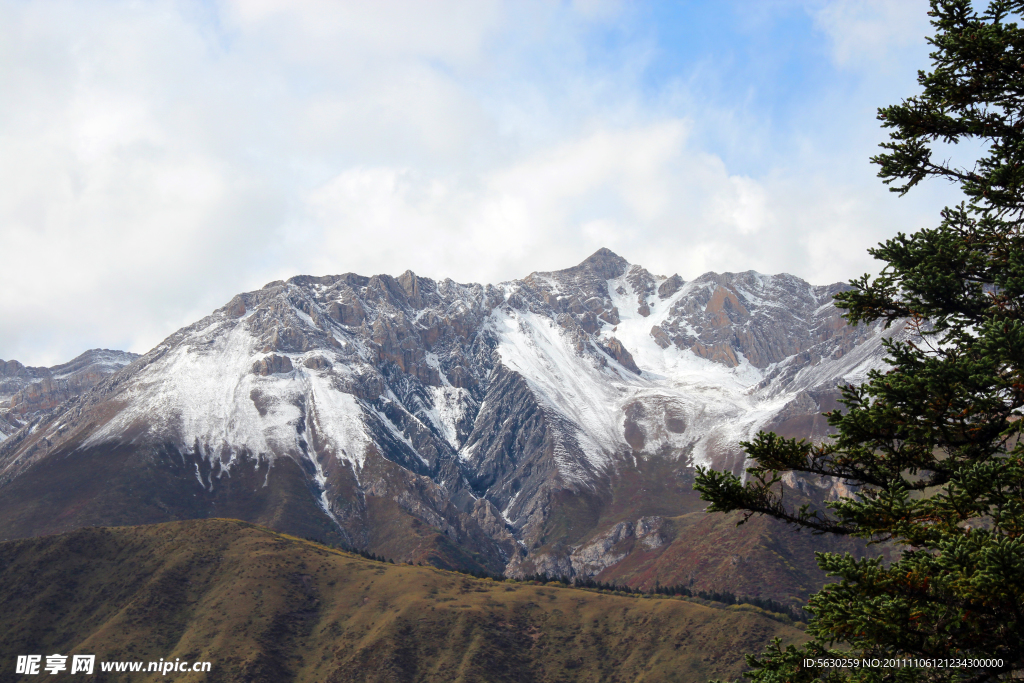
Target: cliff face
513	426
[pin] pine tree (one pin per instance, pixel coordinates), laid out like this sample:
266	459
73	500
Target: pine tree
931	445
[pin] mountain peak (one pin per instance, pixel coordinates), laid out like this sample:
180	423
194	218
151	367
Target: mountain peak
605	263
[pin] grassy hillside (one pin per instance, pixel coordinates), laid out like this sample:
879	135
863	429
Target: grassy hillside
262	606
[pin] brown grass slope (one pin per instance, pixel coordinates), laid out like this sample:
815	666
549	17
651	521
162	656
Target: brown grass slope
262	606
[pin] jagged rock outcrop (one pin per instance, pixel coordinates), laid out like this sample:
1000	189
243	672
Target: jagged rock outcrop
274	364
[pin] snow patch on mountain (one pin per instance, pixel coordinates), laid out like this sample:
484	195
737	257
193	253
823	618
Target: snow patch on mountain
200	393
339	418
680	366
534	346
203	394
448	408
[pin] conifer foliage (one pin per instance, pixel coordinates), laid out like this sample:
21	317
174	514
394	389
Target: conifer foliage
931	445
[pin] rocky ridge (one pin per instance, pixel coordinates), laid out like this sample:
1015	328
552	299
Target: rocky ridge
29	392
508	419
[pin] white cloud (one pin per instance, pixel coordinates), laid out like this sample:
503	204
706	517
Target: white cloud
872	31
645	192
452	31
157	158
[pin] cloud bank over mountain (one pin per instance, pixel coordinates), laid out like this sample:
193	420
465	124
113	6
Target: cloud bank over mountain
157	158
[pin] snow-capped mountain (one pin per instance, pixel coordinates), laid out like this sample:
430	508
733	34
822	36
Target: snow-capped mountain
502	425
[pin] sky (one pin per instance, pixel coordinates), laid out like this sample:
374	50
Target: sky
158	157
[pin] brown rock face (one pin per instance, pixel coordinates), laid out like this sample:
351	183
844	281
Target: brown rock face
589	323
11	368
604	263
317	363
670	286
724	309
272	364
288	339
661	338
45	394
411	286
720	353
616	350
642	283
633	433
14	377
236	307
346	313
